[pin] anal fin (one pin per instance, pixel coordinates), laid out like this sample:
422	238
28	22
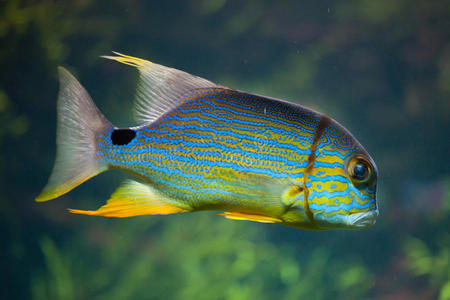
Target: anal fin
133	199
250	217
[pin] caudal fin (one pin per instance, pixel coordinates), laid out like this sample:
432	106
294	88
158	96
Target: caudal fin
79	123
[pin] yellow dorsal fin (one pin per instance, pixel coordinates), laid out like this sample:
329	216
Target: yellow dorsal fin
134	199
160	88
235	215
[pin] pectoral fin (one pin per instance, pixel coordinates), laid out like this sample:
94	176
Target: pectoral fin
134	199
250	217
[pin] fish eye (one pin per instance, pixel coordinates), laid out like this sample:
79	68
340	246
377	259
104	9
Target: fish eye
359	170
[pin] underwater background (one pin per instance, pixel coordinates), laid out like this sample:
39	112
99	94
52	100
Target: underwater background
381	68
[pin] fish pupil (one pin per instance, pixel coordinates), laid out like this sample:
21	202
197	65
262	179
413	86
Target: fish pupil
122	136
360	171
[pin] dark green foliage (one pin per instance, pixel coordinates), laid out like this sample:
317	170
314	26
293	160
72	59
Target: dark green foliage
382	68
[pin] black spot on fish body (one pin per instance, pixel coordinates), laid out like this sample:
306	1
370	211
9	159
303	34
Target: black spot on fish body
122	136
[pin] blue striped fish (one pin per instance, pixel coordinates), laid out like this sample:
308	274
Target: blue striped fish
203	146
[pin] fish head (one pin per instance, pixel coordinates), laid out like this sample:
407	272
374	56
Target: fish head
342	182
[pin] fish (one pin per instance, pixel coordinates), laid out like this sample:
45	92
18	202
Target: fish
204	146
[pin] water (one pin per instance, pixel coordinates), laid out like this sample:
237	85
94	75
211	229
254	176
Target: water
381	68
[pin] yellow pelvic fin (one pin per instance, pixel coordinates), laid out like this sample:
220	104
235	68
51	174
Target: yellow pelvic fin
133	199
128	60
250	217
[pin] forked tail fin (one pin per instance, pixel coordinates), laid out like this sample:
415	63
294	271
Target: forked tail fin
79	123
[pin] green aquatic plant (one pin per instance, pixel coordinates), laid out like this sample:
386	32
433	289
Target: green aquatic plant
57	282
204	257
422	261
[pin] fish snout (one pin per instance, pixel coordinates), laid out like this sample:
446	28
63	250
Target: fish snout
362	219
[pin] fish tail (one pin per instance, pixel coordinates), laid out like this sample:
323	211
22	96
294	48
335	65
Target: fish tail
79	124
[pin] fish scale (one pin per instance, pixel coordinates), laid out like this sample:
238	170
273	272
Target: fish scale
157	139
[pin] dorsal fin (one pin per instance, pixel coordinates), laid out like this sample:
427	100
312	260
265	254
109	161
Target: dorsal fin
160	88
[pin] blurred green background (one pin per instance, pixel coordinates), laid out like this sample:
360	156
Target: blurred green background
382	68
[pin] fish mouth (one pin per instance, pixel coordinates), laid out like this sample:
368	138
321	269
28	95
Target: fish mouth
362	219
